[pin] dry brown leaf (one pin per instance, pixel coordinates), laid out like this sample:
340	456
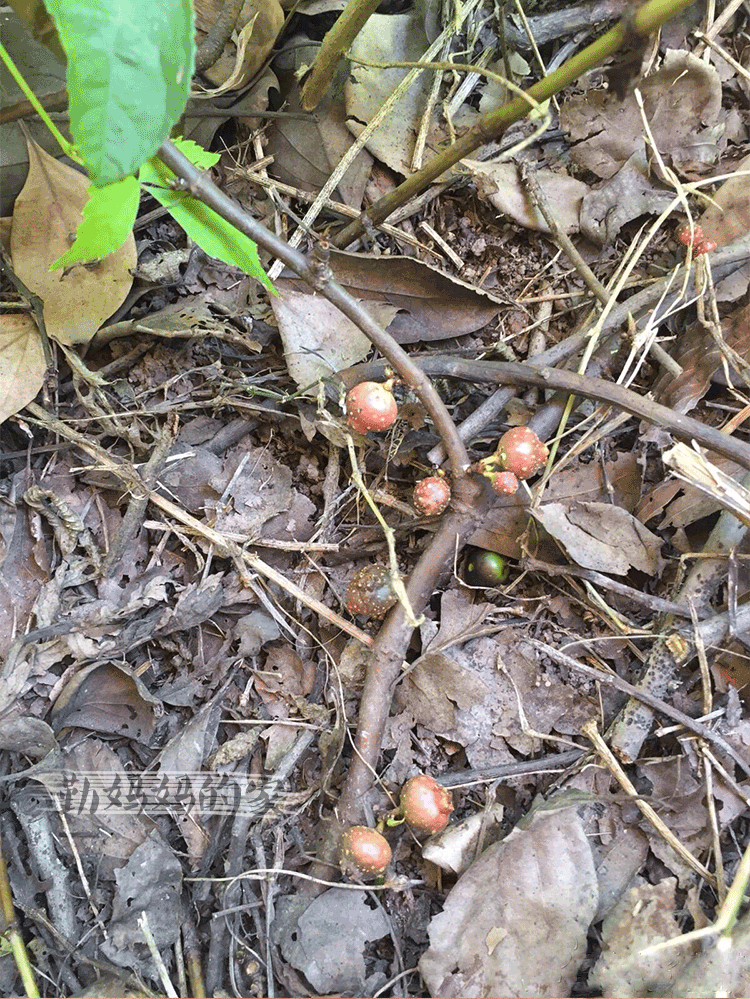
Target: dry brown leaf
431	305
22	365
6	225
601	536
507	520
258	27
644	916
326	940
318	338
109	834
625	196
723	969
307	149
682	102
696	470
107	698
728	218
700	358
77	300
499	184
388	38
516	922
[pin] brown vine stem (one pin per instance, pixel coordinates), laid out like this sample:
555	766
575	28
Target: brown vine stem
318	275
633	27
393	638
332	49
684	428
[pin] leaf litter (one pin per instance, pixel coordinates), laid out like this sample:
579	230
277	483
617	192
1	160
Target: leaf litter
141	643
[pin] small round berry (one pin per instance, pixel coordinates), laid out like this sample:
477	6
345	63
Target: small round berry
690	237
370	406
504	483
431	496
425	804
363	852
705	246
484	568
520	451
370	592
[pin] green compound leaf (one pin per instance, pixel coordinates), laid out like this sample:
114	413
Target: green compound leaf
209	230
129	68
108	219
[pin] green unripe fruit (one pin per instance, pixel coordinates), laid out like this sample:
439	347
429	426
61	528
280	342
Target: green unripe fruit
484	568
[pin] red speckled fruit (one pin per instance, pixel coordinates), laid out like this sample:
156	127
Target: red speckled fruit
520	451
504	483
426	805
688	237
370	406
370	592
705	246
431	496
363	852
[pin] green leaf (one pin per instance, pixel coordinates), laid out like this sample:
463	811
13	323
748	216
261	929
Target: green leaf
129	68
108	218
210	231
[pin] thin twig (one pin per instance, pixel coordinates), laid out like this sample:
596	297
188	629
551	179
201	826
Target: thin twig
613	680
218	35
590	730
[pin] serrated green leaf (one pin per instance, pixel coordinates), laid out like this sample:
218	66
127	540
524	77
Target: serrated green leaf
210	231
108	218
129	68
197	155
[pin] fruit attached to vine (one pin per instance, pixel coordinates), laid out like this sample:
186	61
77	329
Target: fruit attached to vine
371	406
484	568
370	592
364	853
431	496
425	804
504	483
520	451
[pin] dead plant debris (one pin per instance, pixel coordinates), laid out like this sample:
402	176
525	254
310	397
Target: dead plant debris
188	713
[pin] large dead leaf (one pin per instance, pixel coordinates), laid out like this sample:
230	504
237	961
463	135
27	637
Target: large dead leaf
723	969
643	917
307	149
100	828
517	920
483	694
77	300
318	338
45	74
625	196
149	883
682	102
499	184
388	38
22	366
601	536
506	522
727	219
431	305
325	939
107	698
258	27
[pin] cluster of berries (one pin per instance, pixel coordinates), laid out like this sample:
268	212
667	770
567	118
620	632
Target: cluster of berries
424	805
